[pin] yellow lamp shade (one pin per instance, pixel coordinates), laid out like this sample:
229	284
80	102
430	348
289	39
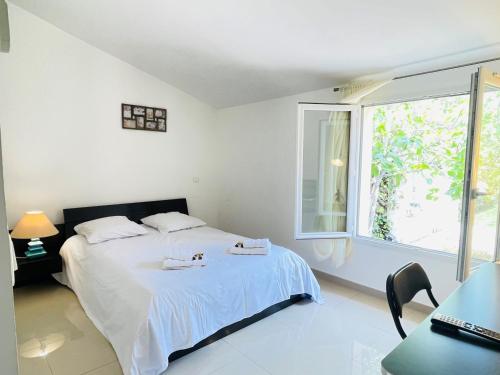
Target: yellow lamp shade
34	224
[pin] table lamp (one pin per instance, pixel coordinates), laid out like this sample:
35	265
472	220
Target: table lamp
34	225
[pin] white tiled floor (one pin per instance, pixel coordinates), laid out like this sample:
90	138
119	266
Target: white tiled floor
349	334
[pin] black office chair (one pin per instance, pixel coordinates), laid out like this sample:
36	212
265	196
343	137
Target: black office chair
402	286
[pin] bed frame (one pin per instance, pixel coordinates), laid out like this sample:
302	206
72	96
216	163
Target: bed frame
135	212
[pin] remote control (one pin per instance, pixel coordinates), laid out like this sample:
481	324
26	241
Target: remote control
456	324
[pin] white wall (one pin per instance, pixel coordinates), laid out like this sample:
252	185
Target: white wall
258	169
8	351
63	144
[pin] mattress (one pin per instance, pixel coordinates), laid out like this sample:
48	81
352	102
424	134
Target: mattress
148	313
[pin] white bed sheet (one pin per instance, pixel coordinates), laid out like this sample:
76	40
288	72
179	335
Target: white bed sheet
147	313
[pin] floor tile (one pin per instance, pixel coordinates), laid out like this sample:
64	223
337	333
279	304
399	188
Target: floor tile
82	355
34	366
335	294
415	315
320	336
205	360
370	366
367	308
240	366
110	369
52	310
52	324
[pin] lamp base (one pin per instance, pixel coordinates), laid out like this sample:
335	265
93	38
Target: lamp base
35	249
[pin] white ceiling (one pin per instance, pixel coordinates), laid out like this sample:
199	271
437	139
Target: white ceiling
230	52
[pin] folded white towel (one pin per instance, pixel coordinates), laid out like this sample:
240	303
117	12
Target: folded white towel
250	250
175	264
261	242
182	253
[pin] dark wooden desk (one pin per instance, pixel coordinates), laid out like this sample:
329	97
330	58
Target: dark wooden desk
427	352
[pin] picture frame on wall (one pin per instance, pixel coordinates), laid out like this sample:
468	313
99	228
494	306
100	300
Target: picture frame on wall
127	111
149	113
140	117
139	111
162	125
140	122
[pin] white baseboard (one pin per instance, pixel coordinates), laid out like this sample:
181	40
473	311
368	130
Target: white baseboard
370	291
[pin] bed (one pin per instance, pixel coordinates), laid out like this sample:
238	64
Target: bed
152	316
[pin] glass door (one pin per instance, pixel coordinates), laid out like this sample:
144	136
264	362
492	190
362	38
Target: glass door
480	207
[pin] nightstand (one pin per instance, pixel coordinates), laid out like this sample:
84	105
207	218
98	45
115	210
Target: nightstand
32	270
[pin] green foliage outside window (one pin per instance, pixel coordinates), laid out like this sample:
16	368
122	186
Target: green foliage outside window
427	138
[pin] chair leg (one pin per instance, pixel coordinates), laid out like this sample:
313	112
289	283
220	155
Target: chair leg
400	329
431	297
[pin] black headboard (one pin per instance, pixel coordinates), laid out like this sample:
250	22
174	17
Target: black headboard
134	211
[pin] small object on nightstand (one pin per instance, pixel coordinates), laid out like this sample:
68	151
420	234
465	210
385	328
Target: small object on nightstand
35	248
34	225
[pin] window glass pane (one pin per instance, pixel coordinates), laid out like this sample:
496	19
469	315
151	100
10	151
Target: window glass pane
413	172
485	210
325	170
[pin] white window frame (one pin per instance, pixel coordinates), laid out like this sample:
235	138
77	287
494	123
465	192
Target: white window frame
479	82
387	245
352	183
377	241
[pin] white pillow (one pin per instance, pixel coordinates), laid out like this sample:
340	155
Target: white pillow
109	228
172	222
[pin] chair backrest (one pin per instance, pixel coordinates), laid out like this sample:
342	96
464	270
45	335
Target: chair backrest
402	286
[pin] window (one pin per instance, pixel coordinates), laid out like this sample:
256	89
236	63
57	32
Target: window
487	178
413	172
325	155
412	178
480	234
427	174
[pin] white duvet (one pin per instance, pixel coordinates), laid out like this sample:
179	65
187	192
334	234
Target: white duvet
147	313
